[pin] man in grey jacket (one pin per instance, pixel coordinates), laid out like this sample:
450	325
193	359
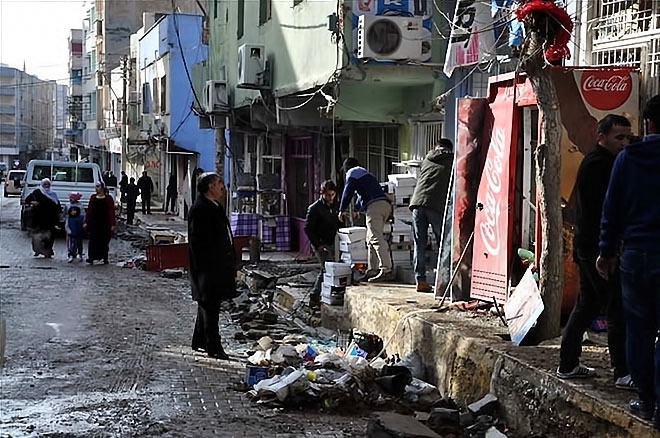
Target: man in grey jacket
428	204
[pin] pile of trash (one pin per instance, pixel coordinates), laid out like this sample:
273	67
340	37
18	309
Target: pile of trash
137	262
295	372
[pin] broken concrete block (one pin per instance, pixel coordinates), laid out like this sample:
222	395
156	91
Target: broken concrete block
486	406
391	425
494	433
445	415
466	419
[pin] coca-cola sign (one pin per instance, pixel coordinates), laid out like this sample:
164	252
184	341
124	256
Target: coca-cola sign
489	228
606	90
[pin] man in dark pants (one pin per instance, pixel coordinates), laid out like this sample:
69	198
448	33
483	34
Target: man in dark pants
212	263
321	225
631	215
131	192
428	205
590	186
146	186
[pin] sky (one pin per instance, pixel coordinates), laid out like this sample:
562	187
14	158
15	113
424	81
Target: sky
36	32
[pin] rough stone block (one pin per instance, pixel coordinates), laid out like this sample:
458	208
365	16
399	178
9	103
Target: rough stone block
391	425
486	406
466	419
444	416
494	433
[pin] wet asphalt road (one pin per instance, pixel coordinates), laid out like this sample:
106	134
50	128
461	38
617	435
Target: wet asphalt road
103	351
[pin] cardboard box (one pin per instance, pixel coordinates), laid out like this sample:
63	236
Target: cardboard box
402	179
352	234
337	280
353	246
337	269
332	295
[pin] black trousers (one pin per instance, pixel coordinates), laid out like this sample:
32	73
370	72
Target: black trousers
170	202
146	203
130	210
595	294
207	328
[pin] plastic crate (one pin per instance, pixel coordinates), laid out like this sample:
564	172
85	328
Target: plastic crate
161	257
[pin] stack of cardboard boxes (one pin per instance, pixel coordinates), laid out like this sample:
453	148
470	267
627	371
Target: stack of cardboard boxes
402	187
335	279
353	245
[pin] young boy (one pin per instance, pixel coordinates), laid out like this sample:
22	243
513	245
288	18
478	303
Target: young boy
75	217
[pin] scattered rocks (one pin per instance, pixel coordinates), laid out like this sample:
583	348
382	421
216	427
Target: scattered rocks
391	425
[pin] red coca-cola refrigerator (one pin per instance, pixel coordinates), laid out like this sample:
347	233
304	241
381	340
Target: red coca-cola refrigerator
495	195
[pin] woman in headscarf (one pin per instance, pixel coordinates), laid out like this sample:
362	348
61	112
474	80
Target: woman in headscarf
100	222
45	212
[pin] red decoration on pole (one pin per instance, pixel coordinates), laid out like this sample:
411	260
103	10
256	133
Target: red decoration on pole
558	48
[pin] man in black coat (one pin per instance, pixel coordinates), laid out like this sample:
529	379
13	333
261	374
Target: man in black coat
321	225
131	192
212	262
146	186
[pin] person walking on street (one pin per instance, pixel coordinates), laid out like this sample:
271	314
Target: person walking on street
212	262
321	225
146	186
123	182
44	214
75	218
428	205
378	208
171	195
112	179
132	192
630	226
101	224
595	292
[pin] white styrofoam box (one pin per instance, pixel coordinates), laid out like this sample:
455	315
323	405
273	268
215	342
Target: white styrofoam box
337	269
352	246
337	280
387	228
404	191
387	187
401	256
352	234
350	258
402	213
329	289
332	301
401	227
401	201
357	254
402	179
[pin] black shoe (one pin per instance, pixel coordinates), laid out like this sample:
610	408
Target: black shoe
656	419
89	261
198	348
641	409
219	354
105	261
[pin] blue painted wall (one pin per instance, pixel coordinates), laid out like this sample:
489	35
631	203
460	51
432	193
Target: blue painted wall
160	40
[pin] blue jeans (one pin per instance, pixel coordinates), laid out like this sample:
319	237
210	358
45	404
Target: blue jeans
640	284
422	217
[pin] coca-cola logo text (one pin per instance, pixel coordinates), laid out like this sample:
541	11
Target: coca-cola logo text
489	228
606	90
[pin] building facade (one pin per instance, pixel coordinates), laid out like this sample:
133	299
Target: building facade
73	134
308	84
26	115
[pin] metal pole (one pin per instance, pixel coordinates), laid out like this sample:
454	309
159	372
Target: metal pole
124	114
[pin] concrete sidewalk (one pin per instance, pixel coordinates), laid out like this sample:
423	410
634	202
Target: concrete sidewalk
467	356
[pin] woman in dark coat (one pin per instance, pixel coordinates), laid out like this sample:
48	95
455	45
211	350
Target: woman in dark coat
212	264
44	216
100	223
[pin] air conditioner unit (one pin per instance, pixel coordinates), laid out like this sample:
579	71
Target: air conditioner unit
252	67
146	122
389	37
216	99
134	97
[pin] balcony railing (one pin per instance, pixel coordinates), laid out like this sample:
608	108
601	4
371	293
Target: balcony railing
619	19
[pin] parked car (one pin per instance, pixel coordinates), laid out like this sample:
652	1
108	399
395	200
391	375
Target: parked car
14	182
66	177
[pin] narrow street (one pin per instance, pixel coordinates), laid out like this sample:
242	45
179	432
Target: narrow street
103	351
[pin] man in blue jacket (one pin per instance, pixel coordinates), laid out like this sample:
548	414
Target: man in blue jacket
630	226
373	200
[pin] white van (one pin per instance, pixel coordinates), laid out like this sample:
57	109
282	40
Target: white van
66	177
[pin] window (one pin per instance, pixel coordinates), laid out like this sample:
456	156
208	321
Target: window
215	9
63	173
265	11
163	95
297	2
376	149
241	19
156	96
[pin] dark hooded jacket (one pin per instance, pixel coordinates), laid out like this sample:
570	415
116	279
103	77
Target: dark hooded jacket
631	212
211	253
433	181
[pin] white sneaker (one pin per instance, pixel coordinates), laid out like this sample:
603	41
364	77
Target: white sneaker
70	259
